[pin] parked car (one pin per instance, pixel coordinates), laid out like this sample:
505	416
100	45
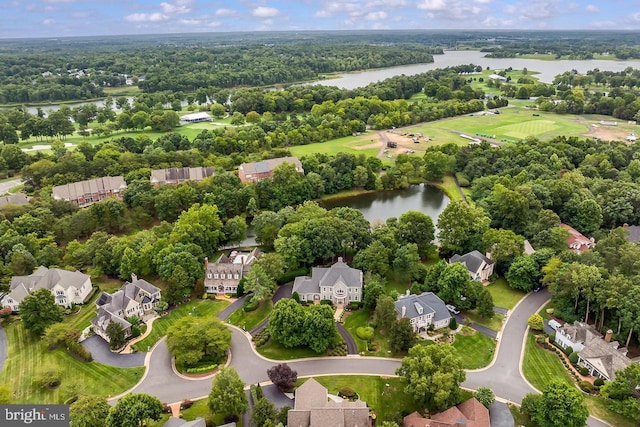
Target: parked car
452	309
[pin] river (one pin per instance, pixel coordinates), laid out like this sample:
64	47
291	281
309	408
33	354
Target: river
547	69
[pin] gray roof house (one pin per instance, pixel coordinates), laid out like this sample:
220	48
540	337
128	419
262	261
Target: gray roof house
601	356
423	311
13	199
223	276
339	283
85	193
68	287
254	172
198	422
633	233
178	175
479	266
312	408
135	298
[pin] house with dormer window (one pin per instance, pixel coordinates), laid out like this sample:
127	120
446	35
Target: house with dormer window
423	311
339	284
223	276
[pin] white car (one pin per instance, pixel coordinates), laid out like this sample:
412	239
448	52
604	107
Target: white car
452	309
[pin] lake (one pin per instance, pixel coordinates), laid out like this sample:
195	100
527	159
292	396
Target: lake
379	206
547	69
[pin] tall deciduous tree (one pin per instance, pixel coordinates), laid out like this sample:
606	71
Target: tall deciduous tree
191	338
385	313
178	287
524	273
116	335
433	375
623	392
89	411
453	281
287	322
133	409
227	395
461	227
200	225
416	227
39	310
401	335
264	411
560	405
319	327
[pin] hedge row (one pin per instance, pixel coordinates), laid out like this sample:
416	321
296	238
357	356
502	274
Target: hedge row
202	369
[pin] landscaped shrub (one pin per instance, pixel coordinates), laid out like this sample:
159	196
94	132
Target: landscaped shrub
346	392
599	382
573	358
253	390
76	349
365	332
166	408
290	275
355	305
250	305
262	337
135	331
583	371
47	377
568	350
326	302
202	369
339	349
552	338
453	324
586	386
232	418
186	404
296	297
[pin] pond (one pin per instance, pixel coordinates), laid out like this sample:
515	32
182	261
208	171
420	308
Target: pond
379	206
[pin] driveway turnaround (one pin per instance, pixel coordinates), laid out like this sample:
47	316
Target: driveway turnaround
100	351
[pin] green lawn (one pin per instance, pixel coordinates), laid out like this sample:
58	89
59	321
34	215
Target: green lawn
385	395
381	342
514	123
276	351
28	354
82	319
541	366
448	186
504	295
249	320
495	323
351	144
475	350
203	308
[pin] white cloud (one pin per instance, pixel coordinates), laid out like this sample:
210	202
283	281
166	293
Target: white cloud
146	17
387	3
178	7
226	12
432	5
482	1
265	12
592	8
376	16
48	21
322	14
189	21
510	9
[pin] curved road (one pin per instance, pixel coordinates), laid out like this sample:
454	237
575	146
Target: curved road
503	375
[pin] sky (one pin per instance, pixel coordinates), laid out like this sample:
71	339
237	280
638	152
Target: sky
59	18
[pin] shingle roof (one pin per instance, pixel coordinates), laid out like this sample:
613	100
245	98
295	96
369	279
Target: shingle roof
322	276
269	165
13	199
45	278
633	230
429	302
162	176
470	413
74	190
472	260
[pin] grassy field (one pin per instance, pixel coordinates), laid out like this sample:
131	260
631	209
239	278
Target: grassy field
541	366
201	308
448	186
512	123
27	355
476	350
249	320
495	323
276	351
351	144
361	318
385	395
504	295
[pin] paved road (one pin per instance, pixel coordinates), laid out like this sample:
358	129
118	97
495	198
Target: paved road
230	309
4	348
100	351
8	185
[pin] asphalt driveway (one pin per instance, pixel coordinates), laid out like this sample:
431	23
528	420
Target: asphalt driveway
100	351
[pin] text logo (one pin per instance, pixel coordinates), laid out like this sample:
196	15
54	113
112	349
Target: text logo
34	415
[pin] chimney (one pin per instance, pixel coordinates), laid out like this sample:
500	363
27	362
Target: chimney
607	337
134	278
206	262
404	310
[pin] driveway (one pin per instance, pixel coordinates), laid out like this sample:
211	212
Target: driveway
4	347
283	291
230	309
501	415
352	348
100	351
8	185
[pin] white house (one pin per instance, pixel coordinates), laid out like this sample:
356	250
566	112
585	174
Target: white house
479	266
223	276
68	287
601	356
339	283
202	116
135	298
423	311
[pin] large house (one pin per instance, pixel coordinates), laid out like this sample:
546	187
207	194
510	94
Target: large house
576	241
254	172
339	283
312	408
601	356
423	311
470	413
68	287
178	175
479	266
85	193
223	276
136	298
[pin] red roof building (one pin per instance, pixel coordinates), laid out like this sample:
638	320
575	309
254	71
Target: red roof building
576	241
